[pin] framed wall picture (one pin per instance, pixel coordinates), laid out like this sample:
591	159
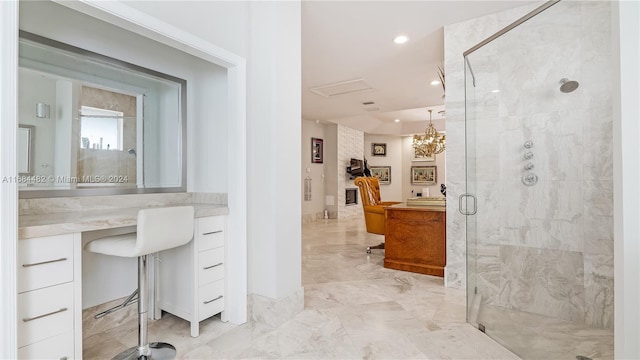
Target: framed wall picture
316	151
423	175
383	173
379	149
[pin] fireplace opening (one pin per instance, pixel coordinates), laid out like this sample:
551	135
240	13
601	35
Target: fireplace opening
351	196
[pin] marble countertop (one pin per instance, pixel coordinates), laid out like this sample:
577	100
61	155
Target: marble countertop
30	226
404	206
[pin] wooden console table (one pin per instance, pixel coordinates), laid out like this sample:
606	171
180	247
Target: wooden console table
415	239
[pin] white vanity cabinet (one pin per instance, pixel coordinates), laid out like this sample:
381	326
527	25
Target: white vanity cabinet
49	297
191	278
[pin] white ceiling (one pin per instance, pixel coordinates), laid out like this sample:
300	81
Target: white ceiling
348	40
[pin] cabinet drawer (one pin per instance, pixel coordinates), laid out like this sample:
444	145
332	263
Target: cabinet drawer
44	261
210	232
45	313
211	299
57	347
211	265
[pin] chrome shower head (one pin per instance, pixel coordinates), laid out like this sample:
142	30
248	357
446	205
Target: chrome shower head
567	86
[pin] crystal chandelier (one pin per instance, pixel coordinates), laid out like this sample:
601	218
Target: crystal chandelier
429	144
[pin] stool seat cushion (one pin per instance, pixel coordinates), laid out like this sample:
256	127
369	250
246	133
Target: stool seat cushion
158	229
117	245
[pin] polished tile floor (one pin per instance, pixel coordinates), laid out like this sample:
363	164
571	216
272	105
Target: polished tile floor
354	309
540	337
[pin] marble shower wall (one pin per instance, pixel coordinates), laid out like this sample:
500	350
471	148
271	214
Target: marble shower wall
545	249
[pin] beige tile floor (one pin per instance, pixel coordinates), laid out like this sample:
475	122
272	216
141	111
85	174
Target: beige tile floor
354	309
540	337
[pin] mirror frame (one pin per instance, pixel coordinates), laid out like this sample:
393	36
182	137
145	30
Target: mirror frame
97	191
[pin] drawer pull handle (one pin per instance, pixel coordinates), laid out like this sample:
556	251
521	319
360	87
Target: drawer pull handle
44	262
44	315
212	232
210	301
212	266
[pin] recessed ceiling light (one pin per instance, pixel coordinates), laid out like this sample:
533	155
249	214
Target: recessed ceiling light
396	120
435	82
400	39
495	91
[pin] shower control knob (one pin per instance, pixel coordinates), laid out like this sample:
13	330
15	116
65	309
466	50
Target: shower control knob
529	179
528	144
528	155
528	166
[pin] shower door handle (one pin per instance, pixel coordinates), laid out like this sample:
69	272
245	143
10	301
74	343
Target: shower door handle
466	210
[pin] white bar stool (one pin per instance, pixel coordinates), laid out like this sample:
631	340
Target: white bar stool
158	229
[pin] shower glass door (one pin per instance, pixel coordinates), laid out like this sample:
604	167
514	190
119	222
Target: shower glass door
539	166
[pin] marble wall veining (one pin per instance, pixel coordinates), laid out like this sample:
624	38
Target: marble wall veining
545	249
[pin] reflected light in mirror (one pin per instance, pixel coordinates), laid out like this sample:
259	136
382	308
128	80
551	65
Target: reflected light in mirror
103	110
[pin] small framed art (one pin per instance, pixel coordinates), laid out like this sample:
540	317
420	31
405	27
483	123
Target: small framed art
316	151
379	149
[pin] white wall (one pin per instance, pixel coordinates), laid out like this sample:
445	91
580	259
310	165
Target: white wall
8	168
313	209
223	23
273	135
626	39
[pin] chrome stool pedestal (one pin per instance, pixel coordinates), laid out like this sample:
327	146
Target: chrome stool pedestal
158	229
145	350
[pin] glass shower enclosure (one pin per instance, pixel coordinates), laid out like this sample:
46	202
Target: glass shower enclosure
539	177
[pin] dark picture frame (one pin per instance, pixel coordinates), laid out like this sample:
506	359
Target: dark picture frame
317	151
378	149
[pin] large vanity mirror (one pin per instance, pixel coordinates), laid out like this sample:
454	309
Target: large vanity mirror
104	126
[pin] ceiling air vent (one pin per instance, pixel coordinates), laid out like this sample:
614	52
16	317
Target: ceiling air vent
342	88
368	103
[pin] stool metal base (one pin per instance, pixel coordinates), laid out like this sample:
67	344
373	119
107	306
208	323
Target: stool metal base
157	350
379	246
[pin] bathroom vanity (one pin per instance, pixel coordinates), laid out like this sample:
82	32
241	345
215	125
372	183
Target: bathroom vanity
191	278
